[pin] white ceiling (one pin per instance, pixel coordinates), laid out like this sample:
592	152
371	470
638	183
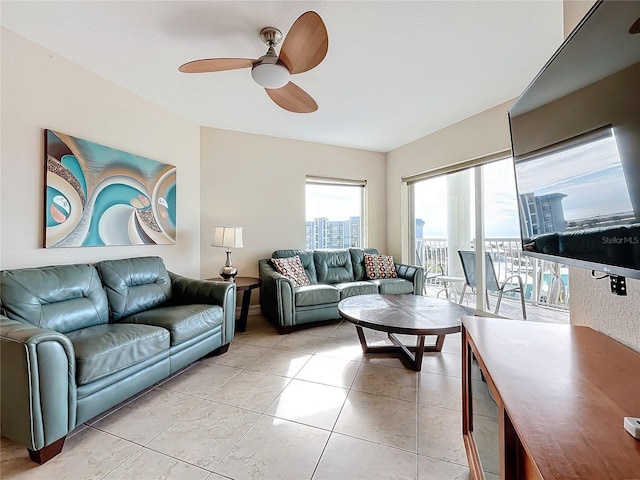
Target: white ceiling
395	70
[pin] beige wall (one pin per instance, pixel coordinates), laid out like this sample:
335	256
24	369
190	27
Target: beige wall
258	182
42	90
480	135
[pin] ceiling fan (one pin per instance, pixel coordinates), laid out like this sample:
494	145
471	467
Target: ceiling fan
304	48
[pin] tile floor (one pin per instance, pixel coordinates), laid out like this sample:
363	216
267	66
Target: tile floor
308	405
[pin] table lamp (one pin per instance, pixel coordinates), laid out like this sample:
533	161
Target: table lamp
227	237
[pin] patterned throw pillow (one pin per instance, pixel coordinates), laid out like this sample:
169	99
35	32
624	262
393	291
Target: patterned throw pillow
379	266
292	268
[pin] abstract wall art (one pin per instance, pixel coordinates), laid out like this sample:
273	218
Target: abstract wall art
99	196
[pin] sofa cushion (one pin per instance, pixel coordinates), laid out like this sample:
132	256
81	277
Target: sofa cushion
333	266
350	289
357	260
379	266
135	284
105	349
184	322
393	285
61	297
306	258
292	268
316	295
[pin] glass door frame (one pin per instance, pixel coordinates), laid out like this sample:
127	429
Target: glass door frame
475	166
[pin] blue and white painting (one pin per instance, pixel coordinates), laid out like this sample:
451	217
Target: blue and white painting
100	196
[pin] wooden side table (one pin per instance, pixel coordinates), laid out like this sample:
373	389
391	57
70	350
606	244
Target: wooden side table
245	285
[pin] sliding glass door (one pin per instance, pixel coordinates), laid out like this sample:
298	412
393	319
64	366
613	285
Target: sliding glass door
475	209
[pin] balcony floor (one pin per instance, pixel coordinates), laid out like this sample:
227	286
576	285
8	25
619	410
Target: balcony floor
511	308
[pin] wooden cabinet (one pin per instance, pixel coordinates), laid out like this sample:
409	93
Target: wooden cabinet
561	392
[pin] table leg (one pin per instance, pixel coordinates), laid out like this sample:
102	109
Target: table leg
412	354
415	358
241	323
362	338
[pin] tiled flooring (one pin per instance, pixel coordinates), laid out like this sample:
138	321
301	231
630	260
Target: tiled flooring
308	405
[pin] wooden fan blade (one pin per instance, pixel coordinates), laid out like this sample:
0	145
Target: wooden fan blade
291	97
306	44
215	65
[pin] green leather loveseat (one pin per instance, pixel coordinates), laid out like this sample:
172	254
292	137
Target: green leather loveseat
75	340
333	274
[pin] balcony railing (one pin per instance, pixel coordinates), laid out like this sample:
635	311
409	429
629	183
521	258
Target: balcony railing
545	282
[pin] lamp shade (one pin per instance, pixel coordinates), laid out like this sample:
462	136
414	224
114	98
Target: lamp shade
228	237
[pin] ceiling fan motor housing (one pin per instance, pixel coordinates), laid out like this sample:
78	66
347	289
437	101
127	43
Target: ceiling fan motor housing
271	36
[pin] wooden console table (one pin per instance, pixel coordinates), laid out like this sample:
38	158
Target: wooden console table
562	393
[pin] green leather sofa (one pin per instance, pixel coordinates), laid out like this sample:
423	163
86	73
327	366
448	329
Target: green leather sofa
75	340
334	274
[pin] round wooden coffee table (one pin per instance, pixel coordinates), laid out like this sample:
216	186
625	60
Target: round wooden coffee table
403	314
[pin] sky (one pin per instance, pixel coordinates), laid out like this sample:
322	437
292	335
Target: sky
590	175
335	202
501	211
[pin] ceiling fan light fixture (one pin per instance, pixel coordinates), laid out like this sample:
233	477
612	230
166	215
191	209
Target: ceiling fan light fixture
270	75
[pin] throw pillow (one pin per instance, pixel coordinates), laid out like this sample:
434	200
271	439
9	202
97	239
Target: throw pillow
292	268
379	266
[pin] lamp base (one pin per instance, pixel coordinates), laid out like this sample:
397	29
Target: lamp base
228	272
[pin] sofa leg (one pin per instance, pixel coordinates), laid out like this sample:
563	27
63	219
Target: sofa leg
286	330
220	350
47	453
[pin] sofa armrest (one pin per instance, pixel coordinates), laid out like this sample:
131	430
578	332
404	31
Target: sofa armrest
186	290
412	273
277	294
37	378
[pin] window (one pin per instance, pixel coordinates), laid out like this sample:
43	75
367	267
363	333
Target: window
335	213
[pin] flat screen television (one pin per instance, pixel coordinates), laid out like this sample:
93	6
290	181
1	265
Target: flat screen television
575	138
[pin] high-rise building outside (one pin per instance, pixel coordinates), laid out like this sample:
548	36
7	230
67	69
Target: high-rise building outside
325	233
542	213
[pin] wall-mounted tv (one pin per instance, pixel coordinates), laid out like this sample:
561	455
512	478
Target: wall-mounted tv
575	137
